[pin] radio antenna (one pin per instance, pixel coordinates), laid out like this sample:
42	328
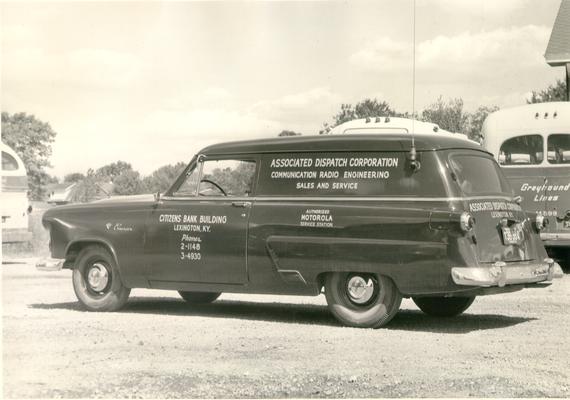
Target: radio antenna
414	75
414	163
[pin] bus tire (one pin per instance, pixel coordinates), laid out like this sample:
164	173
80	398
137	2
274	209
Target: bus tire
362	300
96	280
443	306
199	297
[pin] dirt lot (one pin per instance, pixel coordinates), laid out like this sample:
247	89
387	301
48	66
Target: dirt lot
509	345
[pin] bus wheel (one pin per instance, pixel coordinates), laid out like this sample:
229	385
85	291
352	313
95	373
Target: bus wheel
443	306
199	297
362	300
96	280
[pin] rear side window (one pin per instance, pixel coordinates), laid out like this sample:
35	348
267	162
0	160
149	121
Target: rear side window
559	148
522	150
9	163
476	174
343	173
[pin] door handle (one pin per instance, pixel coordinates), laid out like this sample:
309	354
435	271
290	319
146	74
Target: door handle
243	204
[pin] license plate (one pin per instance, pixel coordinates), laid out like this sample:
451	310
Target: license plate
512	235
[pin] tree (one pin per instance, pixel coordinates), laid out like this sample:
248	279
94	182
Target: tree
476	121
31	139
449	115
362	109
111	171
127	183
88	188
289	133
52	179
73	177
555	92
161	179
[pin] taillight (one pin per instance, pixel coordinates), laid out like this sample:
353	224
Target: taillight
466	221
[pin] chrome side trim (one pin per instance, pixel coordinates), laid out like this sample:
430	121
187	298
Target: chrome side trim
337	198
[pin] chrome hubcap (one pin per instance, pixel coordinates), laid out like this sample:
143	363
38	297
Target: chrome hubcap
98	277
360	290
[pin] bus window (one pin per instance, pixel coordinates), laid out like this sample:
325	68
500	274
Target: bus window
559	148
521	150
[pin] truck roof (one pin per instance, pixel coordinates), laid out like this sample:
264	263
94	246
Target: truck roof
357	142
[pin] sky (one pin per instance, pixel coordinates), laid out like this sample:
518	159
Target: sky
151	83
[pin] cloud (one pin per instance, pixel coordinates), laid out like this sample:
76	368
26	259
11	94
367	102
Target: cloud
217	93
102	67
486	7
384	54
25	62
522	46
300	108
486	52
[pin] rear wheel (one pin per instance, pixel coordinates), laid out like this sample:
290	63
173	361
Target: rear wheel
199	297
443	306
96	280
362	300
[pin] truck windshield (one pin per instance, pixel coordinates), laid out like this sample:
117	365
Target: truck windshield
477	174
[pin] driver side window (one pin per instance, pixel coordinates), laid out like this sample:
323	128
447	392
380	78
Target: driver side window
227	178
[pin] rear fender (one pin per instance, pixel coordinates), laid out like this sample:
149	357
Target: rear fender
410	264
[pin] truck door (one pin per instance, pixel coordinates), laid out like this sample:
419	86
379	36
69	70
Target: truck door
198	231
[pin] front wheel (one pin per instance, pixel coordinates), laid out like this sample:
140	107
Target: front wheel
443	306
96	280
362	300
199	297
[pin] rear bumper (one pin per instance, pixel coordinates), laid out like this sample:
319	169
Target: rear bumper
501	274
50	264
560	239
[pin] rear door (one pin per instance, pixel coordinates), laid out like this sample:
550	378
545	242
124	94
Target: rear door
501	230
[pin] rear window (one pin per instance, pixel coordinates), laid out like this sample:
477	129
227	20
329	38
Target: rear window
348	173
477	174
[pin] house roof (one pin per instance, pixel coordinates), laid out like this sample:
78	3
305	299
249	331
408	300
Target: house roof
558	49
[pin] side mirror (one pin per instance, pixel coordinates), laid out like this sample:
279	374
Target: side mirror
518	199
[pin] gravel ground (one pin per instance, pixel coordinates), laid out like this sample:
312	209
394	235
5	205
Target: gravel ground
512	345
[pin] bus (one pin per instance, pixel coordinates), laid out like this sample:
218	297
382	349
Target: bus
532	144
14	198
388	125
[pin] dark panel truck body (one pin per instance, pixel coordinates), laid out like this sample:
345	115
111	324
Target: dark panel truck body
367	219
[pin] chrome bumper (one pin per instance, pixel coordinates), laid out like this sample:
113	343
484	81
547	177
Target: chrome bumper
50	264
555	236
501	274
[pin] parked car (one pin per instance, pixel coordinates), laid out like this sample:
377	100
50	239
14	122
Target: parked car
366	219
14	203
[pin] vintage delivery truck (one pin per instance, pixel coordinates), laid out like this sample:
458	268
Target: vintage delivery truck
366	219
